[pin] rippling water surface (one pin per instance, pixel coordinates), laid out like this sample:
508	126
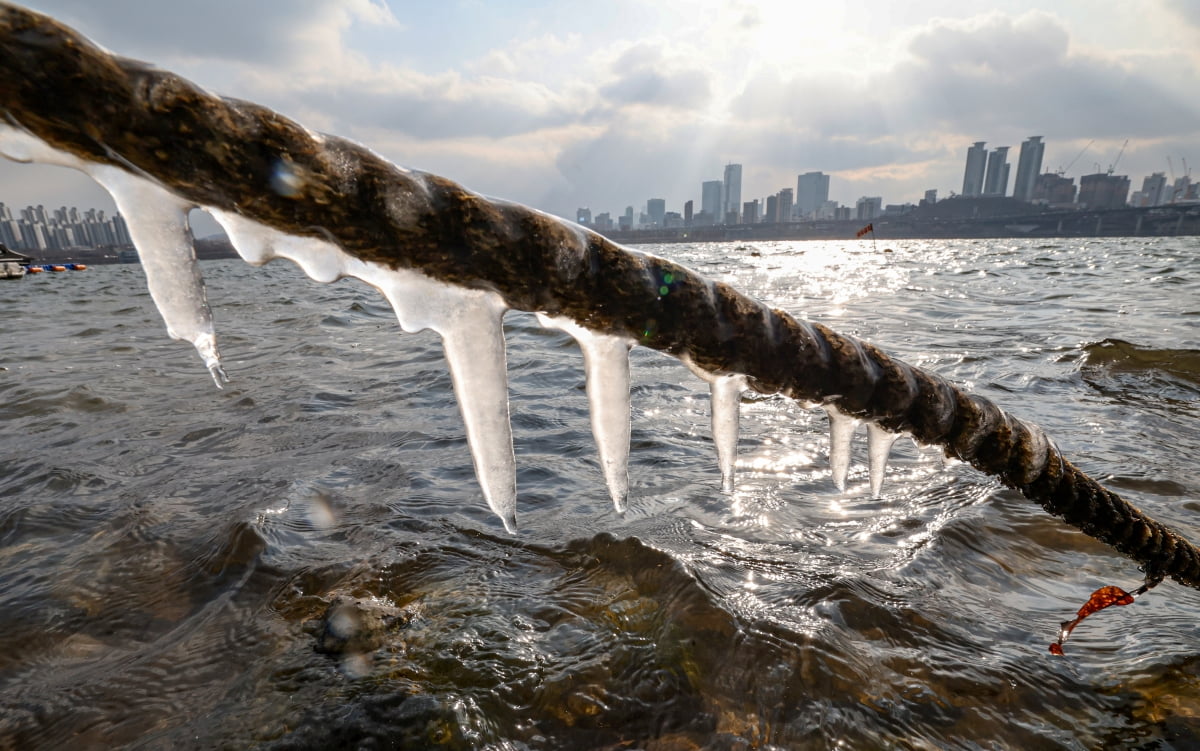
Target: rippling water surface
169	552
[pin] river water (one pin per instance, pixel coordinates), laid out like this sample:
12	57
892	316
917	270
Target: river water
168	550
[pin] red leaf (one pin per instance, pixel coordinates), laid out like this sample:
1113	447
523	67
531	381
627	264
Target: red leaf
1100	599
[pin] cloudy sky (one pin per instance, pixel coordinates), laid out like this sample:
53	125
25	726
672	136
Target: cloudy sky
561	104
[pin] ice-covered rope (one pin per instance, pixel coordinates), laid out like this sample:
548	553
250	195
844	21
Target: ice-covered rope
247	163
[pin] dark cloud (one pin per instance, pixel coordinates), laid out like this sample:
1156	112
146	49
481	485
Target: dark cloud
813	105
1188	10
441	108
627	164
999	75
999	46
686	89
646	75
1005	74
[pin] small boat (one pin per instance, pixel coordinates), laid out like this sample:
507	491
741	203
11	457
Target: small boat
12	263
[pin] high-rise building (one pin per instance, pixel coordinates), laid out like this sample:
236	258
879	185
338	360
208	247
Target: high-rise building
750	212
656	211
583	216
121	230
996	181
785	205
710	201
10	232
976	164
1183	190
1103	191
827	210
687	213
1029	166
772	210
731	193
812	191
868	207
1154	189
1054	189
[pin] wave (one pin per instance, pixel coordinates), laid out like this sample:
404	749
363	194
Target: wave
1120	356
1145	375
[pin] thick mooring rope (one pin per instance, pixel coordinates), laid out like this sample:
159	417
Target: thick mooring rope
228	155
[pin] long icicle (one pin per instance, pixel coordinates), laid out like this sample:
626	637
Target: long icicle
606	369
841	431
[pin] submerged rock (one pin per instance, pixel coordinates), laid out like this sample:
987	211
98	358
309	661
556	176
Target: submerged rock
354	625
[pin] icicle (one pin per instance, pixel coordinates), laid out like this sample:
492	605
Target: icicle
470	324
841	431
726	403
879	444
468	320
606	367
726	391
474	345
158	224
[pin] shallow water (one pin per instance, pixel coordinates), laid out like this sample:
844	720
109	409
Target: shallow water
167	549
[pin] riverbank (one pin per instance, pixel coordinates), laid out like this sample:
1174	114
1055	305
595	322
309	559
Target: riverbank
952	219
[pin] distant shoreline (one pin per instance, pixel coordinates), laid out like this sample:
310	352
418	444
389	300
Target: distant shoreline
952	219
923	224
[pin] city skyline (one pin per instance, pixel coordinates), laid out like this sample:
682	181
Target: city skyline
986	174
36	228
561	105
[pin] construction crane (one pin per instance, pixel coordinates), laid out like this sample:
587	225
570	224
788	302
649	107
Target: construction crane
1063	170
1113	166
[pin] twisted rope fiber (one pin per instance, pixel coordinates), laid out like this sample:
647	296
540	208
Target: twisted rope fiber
224	154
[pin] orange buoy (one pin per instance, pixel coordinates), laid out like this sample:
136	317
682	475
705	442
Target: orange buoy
58	267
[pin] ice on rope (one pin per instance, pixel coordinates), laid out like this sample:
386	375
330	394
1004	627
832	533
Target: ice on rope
841	432
726	394
158	225
606	368
469	321
879	445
